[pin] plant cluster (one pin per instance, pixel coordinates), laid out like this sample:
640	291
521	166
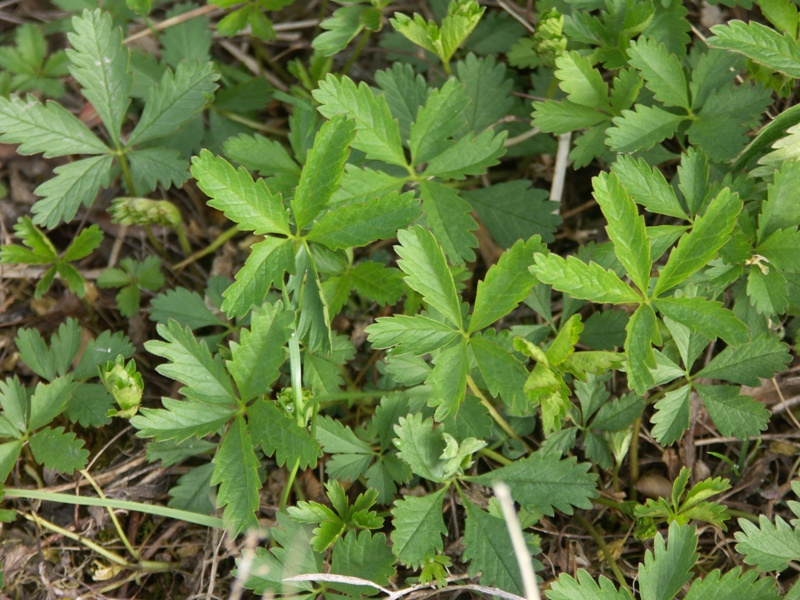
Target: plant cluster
407	320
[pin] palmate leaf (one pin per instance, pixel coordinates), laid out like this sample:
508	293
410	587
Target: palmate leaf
648	186
671	418
582	83
585	588
49	400
405	91
184	306
49	362
448	380
423	262
768	546
733	414
484	80
767	291
504	373
420	446
418	528
281	436
733	584
581	280
157	166
759	43
249	204
662	72
780	210
9	453
59	450
376	282
642	333
694	250
377	131
703	316
49	129
470	155
193	491
543	482
175	100
416	335
14	402
642	128
99	62
666	569
75	183
182	419
556	117
323	169
191	363
746	364
236	472
365	555
268	262
625	228
488	548
256	359
437	120
448	215
355	225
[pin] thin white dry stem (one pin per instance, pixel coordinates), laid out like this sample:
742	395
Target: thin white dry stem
513	12
252	65
560	169
503	495
783	401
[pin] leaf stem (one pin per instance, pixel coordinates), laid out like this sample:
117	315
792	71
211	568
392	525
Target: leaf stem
362	43
120	532
220	239
604	549
498	418
634	458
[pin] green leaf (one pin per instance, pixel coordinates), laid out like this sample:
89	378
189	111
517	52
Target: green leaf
448	215
561	117
43	251
268	157
175	100
417	335
190	363
642	128
420	446
256	359
506	284
437	121
75	183
582	83
268	262
377	132
696	249
378	283
759	43
662	72
340	29
49	400
14	403
513	210
181	419
249	204
733	414
706	317
488	548
184	306
585	588
768	546
504	373
99	62
648	186
667	568
470	155
236	472
364	555
427	272
543	482
448	380
157	166
9	453
486	85
581	280
355	225
280	435
625	228
323	170
49	129
642	332
746	364
418	528
193	491
780	210
671	418
733	584
405	91
59	450
767	291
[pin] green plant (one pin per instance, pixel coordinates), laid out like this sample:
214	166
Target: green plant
28	66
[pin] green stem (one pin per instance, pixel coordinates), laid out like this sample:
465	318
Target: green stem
237	118
289	484
126	171
219	241
742	514
495	456
120	532
151	509
183	240
362	43
634	458
604	549
145	565
498	418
